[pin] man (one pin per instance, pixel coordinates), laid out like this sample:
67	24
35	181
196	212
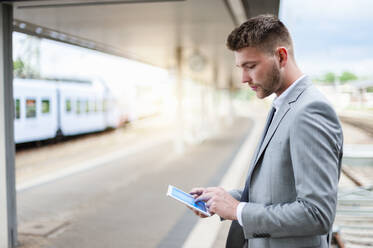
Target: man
290	194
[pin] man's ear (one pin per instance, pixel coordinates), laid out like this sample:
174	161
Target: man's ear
282	56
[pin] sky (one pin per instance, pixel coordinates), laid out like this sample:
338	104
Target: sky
332	35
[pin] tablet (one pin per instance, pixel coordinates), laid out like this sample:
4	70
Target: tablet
187	199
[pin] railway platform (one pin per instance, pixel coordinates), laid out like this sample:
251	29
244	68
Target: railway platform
108	190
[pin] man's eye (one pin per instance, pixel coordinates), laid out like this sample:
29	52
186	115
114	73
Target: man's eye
250	67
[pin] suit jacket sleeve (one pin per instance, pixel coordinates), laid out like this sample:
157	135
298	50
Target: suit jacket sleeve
236	194
315	139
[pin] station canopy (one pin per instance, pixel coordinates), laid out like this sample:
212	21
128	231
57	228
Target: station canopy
150	31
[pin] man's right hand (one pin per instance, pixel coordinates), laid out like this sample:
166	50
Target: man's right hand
196	192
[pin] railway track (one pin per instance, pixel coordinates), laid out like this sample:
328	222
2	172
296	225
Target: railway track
354	219
353	226
361	120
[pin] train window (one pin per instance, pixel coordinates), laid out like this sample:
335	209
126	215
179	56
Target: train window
68	105
17	106
96	105
78	107
104	105
30	108
87	106
45	106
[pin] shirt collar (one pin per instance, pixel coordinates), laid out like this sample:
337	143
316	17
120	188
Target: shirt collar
280	99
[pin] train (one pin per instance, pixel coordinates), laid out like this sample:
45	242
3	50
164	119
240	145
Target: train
48	108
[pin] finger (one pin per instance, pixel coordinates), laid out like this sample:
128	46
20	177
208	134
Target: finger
195	195
203	216
209	202
204	197
198	213
209	210
197	191
211	189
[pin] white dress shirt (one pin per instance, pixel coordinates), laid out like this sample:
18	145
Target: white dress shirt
277	102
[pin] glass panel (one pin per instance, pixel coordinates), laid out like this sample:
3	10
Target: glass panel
104	105
18	108
30	108
68	105
45	106
78	107
96	105
87	106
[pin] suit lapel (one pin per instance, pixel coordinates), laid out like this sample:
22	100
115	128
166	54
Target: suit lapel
272	128
284	108
260	141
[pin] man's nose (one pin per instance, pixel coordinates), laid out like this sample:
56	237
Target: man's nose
246	78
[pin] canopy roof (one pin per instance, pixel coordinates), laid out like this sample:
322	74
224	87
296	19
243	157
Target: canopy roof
147	30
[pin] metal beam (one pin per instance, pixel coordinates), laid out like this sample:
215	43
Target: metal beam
48	33
77	3
237	11
258	7
8	224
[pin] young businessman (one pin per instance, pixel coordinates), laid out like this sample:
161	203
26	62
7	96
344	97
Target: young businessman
290	194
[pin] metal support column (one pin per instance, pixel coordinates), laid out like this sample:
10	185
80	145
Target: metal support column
231	107
8	224
179	145
216	99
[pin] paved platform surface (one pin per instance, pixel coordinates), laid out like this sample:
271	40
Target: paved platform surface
121	200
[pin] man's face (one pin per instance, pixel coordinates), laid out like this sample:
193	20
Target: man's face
259	70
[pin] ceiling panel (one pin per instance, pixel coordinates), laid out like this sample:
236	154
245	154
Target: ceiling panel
149	31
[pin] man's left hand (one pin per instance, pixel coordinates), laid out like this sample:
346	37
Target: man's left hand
219	202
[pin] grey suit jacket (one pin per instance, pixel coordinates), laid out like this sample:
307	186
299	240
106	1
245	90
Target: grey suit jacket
293	176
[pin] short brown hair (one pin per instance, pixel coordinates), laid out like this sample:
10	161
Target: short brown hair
265	32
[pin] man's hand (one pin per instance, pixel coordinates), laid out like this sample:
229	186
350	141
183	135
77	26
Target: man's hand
196	192
218	201
201	215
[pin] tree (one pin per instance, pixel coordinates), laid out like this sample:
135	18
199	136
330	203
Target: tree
19	68
347	76
329	78
23	70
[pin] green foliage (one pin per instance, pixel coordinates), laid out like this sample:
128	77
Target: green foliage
18	67
347	76
22	70
329	78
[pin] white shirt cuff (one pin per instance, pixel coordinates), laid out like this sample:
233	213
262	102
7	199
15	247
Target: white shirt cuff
240	206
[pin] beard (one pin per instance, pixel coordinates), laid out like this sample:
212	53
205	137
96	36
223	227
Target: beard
271	83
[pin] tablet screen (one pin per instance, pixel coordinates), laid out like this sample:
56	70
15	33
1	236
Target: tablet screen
187	198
